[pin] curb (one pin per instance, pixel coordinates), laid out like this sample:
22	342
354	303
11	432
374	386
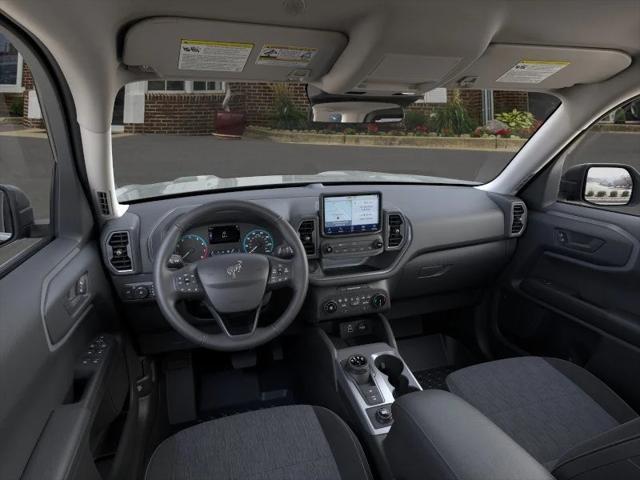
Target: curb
448	143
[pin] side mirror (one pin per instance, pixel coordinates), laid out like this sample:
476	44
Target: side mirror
16	214
603	185
608	186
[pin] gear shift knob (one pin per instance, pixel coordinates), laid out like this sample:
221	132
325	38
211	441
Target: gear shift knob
358	366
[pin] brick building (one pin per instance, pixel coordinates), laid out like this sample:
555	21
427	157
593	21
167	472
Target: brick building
188	107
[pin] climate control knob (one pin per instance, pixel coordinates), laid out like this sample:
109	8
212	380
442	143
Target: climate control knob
379	300
330	307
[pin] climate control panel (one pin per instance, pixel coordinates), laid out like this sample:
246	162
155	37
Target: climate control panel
352	301
366	246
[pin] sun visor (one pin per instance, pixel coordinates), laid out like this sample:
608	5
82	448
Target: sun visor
529	67
191	49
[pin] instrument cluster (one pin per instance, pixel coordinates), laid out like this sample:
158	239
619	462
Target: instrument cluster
207	241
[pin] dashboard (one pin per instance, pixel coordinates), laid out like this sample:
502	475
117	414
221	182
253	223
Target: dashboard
398	249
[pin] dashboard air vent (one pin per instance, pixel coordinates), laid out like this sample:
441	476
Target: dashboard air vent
396	230
119	255
307	236
103	203
518	218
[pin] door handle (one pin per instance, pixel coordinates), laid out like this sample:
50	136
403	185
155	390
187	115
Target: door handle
578	241
78	295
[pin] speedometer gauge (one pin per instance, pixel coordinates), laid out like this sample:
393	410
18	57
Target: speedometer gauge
192	247
258	241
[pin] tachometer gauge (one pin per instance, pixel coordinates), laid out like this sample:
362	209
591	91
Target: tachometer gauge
258	241
192	247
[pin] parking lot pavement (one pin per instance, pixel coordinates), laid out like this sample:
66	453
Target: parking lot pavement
154	158
26	161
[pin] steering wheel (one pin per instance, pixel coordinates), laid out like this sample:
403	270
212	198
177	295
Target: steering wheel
233	283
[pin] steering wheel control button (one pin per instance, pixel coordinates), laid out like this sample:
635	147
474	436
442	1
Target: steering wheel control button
187	283
280	273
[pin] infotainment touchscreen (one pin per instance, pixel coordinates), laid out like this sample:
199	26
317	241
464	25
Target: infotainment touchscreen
349	214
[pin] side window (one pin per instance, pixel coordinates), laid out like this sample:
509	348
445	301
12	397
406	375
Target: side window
26	159
603	169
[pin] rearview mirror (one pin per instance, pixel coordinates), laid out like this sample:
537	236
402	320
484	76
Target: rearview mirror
357	112
356	108
16	214
608	186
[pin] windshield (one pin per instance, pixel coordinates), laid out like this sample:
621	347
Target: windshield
172	137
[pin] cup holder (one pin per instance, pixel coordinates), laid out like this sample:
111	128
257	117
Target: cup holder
393	367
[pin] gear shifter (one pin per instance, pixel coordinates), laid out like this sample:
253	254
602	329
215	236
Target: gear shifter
358	366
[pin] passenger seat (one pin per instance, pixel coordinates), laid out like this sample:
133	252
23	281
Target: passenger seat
547	405
560	422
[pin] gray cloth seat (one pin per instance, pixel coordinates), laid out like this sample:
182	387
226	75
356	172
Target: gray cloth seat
550	407
284	443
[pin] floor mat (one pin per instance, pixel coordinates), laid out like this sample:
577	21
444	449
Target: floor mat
434	377
237	391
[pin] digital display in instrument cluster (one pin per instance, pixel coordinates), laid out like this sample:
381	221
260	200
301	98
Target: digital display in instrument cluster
224	234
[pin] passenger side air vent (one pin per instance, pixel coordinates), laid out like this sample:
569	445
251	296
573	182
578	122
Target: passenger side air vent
518	218
307	231
103	203
396	231
120	253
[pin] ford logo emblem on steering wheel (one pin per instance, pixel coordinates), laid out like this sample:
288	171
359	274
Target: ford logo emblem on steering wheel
234	269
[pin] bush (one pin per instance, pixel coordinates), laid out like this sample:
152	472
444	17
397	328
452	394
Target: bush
517	120
619	116
601	193
414	120
504	133
590	193
452	118
613	193
625	193
286	114
16	108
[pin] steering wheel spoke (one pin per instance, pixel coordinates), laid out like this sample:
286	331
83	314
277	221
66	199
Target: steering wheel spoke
280	273
185	284
226	324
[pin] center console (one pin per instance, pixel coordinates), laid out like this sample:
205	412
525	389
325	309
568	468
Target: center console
353	246
363	373
372	377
